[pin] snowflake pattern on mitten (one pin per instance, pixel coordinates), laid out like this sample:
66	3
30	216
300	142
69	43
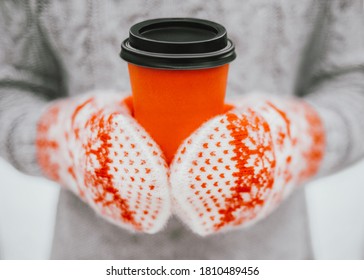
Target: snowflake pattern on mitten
238	167
95	148
230	173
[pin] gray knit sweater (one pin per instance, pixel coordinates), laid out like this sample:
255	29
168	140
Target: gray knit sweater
53	49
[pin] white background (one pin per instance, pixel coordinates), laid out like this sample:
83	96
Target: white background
28	208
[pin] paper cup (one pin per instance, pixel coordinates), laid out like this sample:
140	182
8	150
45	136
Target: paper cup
178	70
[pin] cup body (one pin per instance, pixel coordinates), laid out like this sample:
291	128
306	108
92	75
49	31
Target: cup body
171	104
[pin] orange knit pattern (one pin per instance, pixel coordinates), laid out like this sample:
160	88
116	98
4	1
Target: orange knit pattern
239	166
230	173
99	152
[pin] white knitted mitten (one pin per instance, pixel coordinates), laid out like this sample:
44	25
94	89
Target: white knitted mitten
93	146
238	167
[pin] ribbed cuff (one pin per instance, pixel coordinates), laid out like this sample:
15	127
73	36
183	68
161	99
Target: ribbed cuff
342	119
18	122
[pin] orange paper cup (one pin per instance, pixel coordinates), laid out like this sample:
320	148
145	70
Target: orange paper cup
178	71
171	104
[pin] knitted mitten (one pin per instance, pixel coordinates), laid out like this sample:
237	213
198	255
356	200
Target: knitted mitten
94	147
238	167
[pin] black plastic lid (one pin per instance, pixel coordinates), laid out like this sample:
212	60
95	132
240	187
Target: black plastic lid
178	43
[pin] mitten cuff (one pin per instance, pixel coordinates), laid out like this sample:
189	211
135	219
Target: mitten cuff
18	131
337	129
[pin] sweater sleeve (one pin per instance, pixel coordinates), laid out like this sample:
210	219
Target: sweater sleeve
29	78
336	87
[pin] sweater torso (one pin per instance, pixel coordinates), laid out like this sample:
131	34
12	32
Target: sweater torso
270	38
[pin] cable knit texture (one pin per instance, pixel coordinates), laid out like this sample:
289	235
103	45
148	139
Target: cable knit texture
313	49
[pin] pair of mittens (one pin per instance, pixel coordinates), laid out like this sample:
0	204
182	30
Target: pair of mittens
231	172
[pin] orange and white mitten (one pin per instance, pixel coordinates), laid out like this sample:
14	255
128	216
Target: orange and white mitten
239	166
93	146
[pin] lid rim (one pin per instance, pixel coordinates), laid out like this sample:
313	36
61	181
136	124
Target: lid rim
127	47
190	63
198	54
